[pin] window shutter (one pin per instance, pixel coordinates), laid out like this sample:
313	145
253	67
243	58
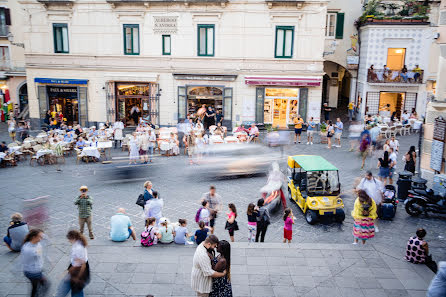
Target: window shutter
303	99
83	106
182	103
43	102
260	104
7	16
340	25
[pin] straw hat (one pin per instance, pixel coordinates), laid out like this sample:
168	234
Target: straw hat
83	188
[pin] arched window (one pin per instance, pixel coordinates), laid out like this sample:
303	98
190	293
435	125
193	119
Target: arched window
23	97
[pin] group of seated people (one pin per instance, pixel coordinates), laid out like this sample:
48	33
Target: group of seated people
405	118
402	75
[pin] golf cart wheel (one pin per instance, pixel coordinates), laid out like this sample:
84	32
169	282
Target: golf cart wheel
340	215
413	209
311	216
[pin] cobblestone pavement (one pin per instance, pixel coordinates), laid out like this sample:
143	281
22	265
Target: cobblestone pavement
181	190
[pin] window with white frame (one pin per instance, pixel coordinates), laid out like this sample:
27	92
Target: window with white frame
330	25
4	56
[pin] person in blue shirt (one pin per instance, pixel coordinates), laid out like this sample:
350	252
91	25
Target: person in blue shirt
68	137
181	233
80	144
148	192
202	233
311	126
339	126
121	227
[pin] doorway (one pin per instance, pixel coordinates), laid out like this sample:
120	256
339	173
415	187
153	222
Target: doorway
394	100
23	97
65	100
395	58
279	113
136	101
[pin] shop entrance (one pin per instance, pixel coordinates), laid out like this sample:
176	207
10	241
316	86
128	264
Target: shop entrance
210	96
281	106
395	100
136	101
65	100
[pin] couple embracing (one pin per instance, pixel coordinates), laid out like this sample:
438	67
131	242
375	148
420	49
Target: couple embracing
211	275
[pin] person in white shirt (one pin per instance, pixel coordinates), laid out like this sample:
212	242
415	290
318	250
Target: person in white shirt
78	269
253	132
392	158
202	272
205	214
374	188
152	143
405	117
394	144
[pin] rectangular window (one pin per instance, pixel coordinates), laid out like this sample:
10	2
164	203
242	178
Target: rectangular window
284	42
166	45
131	39
330	25
395	58
60	32
206	37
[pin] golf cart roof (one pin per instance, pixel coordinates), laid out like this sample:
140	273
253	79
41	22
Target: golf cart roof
310	163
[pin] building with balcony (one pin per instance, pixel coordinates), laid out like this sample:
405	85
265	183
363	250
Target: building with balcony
394	62
13	88
95	61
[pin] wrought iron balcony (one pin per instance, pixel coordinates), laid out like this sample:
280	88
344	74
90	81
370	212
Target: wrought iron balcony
395	76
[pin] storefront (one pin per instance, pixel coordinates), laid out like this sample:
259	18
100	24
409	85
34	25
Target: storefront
390	102
281	106
135	101
68	96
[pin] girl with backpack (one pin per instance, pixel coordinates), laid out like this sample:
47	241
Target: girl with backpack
231	223
150	235
364	214
203	213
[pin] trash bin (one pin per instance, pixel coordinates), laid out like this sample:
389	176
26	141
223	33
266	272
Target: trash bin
404	184
419	183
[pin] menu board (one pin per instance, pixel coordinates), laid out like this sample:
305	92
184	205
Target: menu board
440	129
437	155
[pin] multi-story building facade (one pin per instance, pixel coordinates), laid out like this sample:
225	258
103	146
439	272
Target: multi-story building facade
253	61
394	61
13	89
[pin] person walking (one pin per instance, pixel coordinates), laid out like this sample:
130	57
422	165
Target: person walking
384	167
410	158
253	213
231	223
32	262
221	286
393	162
311	125
84	203
330	133
202	272
263	220
16	233
351	111
214	206
288	219
78	272
364	214
364	148
374	189
11	129
339	127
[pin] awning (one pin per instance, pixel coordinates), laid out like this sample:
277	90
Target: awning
283	81
313	163
63	81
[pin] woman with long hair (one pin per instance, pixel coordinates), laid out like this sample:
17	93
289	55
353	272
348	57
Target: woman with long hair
78	273
231	223
252	213
221	286
32	261
384	167
364	214
330	133
411	157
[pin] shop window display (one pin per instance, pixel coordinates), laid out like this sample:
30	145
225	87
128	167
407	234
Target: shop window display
281	106
136	101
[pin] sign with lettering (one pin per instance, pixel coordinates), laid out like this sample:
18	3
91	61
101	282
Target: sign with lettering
165	24
440	129
64	90
437	155
61	81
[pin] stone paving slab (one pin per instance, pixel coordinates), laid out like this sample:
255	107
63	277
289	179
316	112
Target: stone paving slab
270	270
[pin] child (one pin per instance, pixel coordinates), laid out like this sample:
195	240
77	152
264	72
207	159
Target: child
166	231
252	213
150	235
231	223
202	233
288	228
181	233
204	213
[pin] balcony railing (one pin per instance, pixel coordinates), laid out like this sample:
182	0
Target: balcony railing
4	30
395	76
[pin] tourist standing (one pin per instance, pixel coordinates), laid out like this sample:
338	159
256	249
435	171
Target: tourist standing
143	148
393	159
384	167
231	223
351	111
134	149
214	206
263	220
221	286
364	214
354	133
252	213
16	234
394	144
410	157
202	272
298	122
326	111
148	192
152	143
84	203
11	128
78	272
311	125
32	261
121	227
339	127
330	133
288	219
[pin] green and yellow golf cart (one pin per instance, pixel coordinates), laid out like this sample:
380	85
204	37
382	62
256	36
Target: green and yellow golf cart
313	183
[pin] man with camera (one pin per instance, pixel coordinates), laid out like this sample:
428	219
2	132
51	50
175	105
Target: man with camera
84	203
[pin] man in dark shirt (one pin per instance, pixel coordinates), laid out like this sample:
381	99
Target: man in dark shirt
326	112
3	147
218	117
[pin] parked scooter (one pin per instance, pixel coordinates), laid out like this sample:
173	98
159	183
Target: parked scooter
419	201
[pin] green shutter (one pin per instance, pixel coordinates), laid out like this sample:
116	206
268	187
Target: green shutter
340	25
303	102
260	104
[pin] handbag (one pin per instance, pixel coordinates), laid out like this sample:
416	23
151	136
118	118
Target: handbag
140	201
233	226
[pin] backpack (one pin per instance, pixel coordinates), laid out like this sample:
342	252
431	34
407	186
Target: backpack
197	216
140	201
146	238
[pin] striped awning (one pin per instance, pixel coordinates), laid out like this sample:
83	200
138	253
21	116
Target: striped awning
283	81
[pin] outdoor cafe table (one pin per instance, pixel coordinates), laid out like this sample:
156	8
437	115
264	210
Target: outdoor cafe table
43	152
106	146
90	151
14	149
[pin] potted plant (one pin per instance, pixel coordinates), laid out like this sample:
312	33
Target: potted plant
396	19
379	19
323	132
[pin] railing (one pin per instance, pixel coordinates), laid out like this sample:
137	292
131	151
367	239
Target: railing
4	30
395	76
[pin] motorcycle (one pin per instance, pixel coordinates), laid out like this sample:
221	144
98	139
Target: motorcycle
419	201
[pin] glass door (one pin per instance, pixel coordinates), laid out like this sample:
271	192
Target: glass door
280	113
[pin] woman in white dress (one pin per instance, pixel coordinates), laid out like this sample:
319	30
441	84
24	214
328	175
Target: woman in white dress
134	149
174	144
